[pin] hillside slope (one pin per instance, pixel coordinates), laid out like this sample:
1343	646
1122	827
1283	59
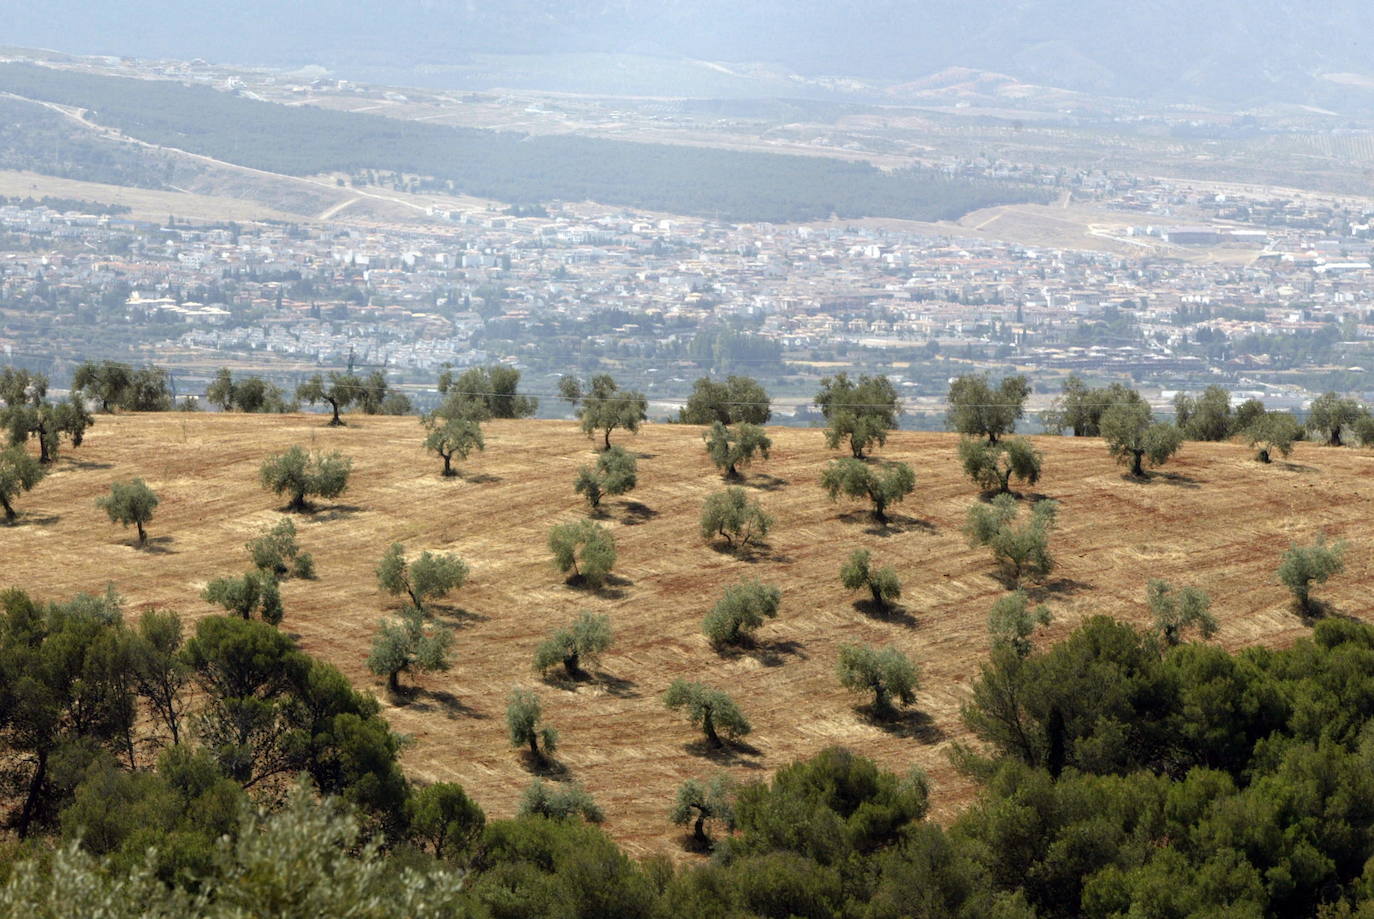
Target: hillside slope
1217	519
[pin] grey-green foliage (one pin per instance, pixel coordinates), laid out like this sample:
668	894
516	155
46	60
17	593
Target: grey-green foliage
578	644
858	573
1246	414
1133	436
558	802
740	611
1012	621
734	516
452	437
1330	414
1022	548
1273	432
1177	610
738	399
303	475
409	643
992	466
585	548
131	502
731	447
709	709
524	724
428	577
480	393
603	406
883	485
276	551
1204	417
698	801
615	473
340	391
978	409
255	592
861	412
1079	408
886	672
1303	566
19	472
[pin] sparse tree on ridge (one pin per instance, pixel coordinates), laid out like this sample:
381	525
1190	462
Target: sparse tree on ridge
1204	417
1133	436
1246	414
739	400
699	801
1012	621
524	722
883	485
19	472
131	502
730	447
978	410
1022	549
1329	415
711	710
1079	408
861	412
1303	566
604	406
615	473
1273	432
578	644
450	437
741	611
427	578
483	393
340	391
302	475
858	573
585	548
886	672
1177	610
104	381
255	592
734	516
409	643
993	466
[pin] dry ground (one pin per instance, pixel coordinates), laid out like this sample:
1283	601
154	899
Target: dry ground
1216	519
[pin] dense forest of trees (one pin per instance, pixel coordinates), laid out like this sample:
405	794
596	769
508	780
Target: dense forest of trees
304	140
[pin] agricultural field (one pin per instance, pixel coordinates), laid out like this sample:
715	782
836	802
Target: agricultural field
1213	518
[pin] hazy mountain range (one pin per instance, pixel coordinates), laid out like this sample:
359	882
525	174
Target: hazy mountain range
1225	52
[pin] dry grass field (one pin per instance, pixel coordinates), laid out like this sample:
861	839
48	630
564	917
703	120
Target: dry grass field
1215	518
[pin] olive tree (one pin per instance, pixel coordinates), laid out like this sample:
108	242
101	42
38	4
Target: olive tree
711	710
255	592
1078	409
1204	417
978	409
699	801
131	502
585	548
340	391
578	644
857	573
450	437
556	802
1273	432
603	406
105	381
428	577
19	472
302	475
615	473
481	393
883	485
740	611
409	643
739	400
1329	415
992	466
1177	610
1012	621
886	672
524	723
1023	549
734	516
276	551
1246	414
861	412
730	447
443	819
1133	436
1303	566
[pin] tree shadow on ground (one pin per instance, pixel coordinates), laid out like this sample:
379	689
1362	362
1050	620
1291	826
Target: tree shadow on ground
544	765
1055	587
637	513
418	699
765	482
894	613
895	525
31	520
325	513
559	678
911	724
689	843
751	553
1316	610
85	464
730	752
768	652
612	587
156	545
457	615
481	478
1162	478
1294	467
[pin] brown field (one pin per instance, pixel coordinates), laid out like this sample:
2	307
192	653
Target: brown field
1216	519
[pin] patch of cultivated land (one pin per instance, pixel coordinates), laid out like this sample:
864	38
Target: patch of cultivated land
1216	519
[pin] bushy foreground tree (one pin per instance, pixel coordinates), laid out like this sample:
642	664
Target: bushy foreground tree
19	472
27	413
581	643
978	409
1012	621
731	447
256	592
615	473
740	611
130	503
992	466
585	548
1175	611
885	672
699	801
735	517
711	710
883	485
859	412
1303	566
452	437
1024	548
444	820
558	802
305	475
858	573
409	643
428	577
603	406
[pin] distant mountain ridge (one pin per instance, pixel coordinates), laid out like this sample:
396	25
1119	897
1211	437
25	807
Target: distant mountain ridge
1223	52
